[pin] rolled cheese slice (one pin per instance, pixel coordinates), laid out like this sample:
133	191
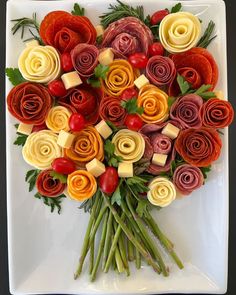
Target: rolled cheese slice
162	192
41	149
40	64
58	119
179	31
129	144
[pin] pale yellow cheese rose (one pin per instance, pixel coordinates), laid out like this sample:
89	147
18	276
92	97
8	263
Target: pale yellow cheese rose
58	119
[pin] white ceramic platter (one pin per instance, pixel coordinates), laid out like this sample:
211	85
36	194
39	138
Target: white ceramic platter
44	247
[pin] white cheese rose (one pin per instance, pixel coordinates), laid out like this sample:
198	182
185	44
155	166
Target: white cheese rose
58	119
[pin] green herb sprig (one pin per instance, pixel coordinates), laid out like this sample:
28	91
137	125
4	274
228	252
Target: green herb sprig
205	171
54	203
61	177
78	10
21	138
14	76
31	177
100	72
131	106
208	36
111	158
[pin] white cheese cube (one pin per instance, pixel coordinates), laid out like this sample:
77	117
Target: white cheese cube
25	128
65	139
100	30
32	43
103	129
159	159
125	169
219	94
71	80
171	131
141	81
106	57
95	167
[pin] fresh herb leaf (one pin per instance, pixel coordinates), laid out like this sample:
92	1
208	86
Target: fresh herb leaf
23	23
78	10
153	28
119	11
14	76
171	100
202	91
207	37
51	202
137	185
109	148
205	170
112	159
21	139
143	208
112	126
183	84
116	197
35	37
101	71
16	125
131	106
94	82
31	177
176	8
61	177
99	39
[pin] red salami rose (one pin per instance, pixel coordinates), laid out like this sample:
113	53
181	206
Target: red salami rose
217	113
29	103
47	186
199	147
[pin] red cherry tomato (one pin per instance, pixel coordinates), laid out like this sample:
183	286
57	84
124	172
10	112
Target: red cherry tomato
109	180
129	93
76	122
63	165
57	88
138	60
156	49
37	128
133	122
66	62
158	16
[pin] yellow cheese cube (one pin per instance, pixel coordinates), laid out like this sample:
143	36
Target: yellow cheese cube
171	131
95	167
100	30
25	128
141	81
219	94
125	170
106	57
65	139
32	43
71	80
159	159
103	129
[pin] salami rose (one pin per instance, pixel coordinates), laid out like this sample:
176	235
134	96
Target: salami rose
84	100
197	66
85	59
160	70
111	110
29	103
127	35
64	31
47	186
187	178
186	110
199	147
217	113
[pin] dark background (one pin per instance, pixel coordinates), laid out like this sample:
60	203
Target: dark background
231	37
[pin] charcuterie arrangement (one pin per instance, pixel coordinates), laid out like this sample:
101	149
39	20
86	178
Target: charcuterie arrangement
122	116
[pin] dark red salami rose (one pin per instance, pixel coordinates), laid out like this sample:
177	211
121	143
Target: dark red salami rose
187	178
217	113
29	103
47	186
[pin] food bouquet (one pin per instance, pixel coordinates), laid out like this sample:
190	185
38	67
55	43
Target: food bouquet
122	116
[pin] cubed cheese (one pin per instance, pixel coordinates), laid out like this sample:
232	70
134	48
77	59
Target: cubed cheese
125	169
100	30
71	80
32	43
106	57
159	159
219	94
171	131
103	129
65	139
25	128
141	81
95	167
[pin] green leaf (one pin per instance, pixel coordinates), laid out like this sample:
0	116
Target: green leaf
94	82
207	37
20	140
116	197
202	91
183	84
16	126
112	126
53	203
205	171
25	22
78	10
31	177
131	106
203	88
99	39
142	208
109	148
101	71
14	76
176	8
61	177
171	100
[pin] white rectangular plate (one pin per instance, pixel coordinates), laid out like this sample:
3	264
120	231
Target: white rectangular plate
44	247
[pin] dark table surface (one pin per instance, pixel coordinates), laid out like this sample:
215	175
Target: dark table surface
231	37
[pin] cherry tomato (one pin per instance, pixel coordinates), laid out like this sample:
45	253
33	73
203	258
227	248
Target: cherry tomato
109	180
76	122
37	128
133	122
158	16
57	88
66	62
138	60
129	93
63	165
156	49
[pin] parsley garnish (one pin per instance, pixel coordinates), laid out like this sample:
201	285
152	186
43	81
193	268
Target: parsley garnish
117	195
14	76
183	84
100	72
78	10
99	39
131	106
202	91
54	202
112	159
205	170
176	8
170	101
31	177
61	177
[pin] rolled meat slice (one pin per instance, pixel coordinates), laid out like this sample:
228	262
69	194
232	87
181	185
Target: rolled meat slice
85	59
162	144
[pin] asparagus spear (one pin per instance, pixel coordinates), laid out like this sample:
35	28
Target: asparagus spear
107	240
